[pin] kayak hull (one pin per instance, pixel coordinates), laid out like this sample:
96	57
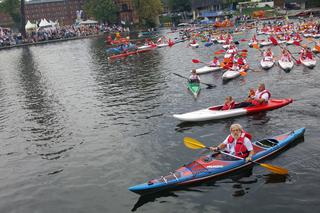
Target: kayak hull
207	69
309	63
217	165
194	88
266	64
123	55
286	65
214	112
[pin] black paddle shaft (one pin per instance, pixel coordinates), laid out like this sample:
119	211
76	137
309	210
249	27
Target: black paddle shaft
209	86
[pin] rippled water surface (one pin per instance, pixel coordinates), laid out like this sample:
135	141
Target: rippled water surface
76	131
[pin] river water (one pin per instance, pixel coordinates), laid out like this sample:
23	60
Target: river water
77	130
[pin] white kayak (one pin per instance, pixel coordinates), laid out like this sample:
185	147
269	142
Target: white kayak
207	69
265	43
286	65
289	42
230	74
221	41
310	63
162	45
196	45
146	47
266	63
317	35
215	112
225	46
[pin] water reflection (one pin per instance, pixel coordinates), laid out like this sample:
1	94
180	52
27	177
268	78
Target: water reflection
41	108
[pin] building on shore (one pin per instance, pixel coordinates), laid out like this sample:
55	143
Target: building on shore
127	14
212	8
65	11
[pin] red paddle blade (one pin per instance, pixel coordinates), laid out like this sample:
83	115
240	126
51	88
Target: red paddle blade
195	61
242	40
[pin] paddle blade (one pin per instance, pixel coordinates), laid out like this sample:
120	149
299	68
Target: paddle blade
275	169
195	61
193	143
243	73
256	46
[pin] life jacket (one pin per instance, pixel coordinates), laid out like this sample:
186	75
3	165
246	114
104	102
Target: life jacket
230	106
257	103
240	149
309	55
241	61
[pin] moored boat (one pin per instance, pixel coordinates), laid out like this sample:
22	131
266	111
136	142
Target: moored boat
215	112
217	164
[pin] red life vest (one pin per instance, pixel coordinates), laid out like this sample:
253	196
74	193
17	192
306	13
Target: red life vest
240	149
241	61
255	102
230	106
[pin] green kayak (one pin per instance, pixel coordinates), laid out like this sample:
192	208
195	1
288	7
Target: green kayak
194	88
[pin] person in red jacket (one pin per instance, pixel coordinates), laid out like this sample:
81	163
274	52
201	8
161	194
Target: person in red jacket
238	143
228	104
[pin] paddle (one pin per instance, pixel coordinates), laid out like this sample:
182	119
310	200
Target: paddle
197	61
195	144
209	86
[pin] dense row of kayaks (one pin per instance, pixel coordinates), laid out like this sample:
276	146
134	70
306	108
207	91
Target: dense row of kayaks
217	164
221	163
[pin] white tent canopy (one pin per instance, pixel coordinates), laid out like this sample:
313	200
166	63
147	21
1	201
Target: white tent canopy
88	22
44	23
30	26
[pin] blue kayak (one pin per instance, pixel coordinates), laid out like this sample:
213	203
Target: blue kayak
217	164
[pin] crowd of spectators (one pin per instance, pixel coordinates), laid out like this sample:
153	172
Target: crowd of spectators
10	38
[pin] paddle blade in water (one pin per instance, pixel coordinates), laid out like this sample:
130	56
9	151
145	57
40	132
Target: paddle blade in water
243	73
275	169
192	143
195	61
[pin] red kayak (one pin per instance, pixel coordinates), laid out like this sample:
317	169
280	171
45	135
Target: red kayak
122	55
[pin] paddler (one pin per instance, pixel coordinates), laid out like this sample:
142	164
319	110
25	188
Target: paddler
215	62
194	78
238	143
261	96
285	56
306	53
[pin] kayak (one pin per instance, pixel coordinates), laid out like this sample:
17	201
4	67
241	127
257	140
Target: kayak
196	45
194	89
162	45
265	43
231	74
215	112
266	63
310	63
207	69
286	65
217	164
122	55
147	47
225	46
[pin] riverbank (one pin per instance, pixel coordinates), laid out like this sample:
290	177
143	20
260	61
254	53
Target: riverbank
50	41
